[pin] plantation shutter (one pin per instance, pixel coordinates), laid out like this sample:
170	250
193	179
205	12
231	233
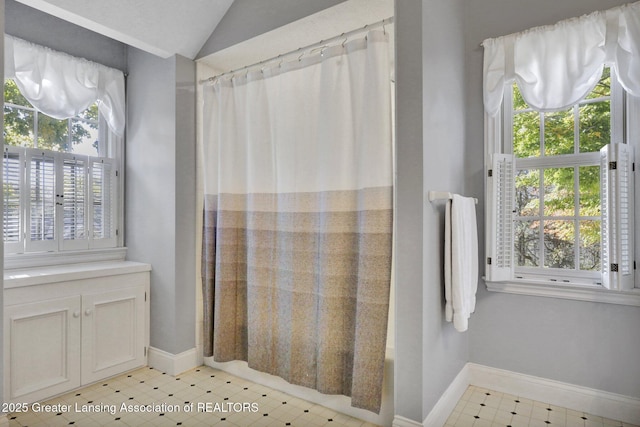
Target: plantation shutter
74	190
500	205
12	175
42	199
616	181
103	215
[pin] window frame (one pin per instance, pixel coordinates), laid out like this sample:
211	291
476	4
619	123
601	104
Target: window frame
625	127
26	253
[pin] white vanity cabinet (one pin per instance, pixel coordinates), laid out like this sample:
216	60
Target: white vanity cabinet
69	326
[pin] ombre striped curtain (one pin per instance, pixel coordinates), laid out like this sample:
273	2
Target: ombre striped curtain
298	219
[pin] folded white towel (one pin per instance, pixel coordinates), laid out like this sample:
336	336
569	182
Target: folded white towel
460	260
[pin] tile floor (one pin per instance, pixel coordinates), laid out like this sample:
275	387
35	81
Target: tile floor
200	397
480	407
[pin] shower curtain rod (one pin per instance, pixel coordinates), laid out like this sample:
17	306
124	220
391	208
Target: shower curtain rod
305	49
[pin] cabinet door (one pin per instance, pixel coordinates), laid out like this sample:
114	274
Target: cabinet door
113	333
42	341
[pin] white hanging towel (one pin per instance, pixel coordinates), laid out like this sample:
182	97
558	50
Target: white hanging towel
460	260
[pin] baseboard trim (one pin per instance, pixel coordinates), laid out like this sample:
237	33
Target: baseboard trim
399	421
173	364
583	399
449	399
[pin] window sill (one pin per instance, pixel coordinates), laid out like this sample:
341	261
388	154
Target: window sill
566	291
44	259
20	278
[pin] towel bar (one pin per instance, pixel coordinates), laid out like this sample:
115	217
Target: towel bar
442	195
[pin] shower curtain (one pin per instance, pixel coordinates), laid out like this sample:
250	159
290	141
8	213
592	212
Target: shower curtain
298	218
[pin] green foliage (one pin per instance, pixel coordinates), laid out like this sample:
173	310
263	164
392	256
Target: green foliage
53	134
593	118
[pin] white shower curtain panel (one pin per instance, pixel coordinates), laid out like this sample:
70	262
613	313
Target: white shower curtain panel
298	218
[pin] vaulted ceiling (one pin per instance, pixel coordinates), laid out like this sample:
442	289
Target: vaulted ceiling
161	27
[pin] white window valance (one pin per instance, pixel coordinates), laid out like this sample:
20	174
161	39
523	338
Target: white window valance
556	66
61	85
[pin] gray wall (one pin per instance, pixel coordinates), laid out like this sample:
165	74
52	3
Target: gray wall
46	30
160	194
445	349
589	344
249	18
409	211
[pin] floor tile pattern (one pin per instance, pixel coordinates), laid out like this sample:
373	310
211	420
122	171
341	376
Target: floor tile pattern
480	407
200	397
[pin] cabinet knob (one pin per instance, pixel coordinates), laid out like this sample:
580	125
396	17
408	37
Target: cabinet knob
76	314
87	312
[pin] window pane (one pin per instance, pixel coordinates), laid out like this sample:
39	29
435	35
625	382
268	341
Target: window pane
18	127
42	198
74	199
603	88
12	212
53	134
559	133
518	101
526	134
559	242
528	192
590	245
595	126
527	243
559	192
84	136
12	94
589	184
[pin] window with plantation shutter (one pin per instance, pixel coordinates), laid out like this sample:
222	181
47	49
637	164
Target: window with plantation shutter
560	198
61	189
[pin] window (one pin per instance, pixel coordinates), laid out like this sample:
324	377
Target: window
557	221
60	179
